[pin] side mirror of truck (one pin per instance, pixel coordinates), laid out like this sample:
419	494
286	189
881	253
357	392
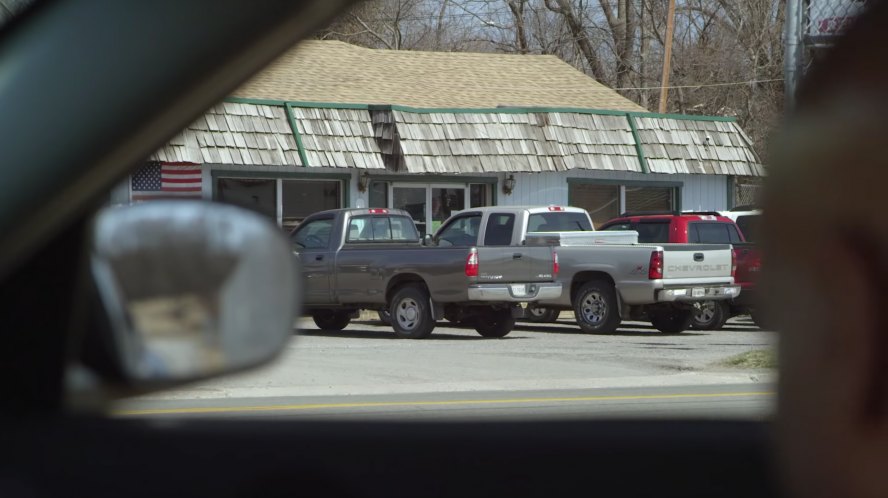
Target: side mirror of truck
428	240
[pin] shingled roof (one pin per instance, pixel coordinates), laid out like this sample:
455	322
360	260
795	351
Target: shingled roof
337	72
330	104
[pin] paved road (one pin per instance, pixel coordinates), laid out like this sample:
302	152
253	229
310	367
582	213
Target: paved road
709	401
538	370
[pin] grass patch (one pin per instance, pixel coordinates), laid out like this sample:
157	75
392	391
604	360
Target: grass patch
761	358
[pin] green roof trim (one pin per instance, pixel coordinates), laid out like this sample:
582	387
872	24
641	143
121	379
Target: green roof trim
241	100
469	110
299	146
639	150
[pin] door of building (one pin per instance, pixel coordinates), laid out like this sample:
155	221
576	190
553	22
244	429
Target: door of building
429	204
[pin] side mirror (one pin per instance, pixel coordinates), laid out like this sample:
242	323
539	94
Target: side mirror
428	240
191	290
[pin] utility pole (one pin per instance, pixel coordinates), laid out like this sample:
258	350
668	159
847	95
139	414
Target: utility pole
792	63
667	56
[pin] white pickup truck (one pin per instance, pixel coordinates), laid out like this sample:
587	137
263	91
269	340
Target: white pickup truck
607	276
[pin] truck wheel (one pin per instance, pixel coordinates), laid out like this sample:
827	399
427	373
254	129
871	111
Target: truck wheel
710	315
595	307
331	320
495	323
538	314
411	315
672	321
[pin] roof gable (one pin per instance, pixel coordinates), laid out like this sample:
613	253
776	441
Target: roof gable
337	72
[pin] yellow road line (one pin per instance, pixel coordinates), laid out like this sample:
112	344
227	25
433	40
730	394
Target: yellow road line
393	404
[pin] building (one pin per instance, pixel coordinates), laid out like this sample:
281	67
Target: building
334	125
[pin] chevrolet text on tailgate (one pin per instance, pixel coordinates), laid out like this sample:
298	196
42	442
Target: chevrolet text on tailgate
373	259
608	276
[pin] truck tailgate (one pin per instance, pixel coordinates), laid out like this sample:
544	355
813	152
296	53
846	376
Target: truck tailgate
505	264
689	261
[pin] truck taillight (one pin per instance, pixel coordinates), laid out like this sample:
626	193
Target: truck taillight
555	267
472	264
655	269
733	262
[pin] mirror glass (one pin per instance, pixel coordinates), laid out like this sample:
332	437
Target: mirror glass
192	288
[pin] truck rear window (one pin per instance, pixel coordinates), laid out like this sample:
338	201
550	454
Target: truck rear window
563	221
710	233
381	229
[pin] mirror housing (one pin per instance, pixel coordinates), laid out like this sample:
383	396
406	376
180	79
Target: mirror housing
191	289
428	240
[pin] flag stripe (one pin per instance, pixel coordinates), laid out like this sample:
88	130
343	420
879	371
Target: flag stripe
181	189
181	172
182	180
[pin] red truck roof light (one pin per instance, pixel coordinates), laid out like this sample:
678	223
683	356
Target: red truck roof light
472	264
378	211
655	268
556	208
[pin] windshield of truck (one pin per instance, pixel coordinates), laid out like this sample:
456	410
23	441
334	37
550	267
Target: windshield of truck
559	222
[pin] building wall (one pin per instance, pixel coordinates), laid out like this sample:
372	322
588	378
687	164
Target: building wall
699	192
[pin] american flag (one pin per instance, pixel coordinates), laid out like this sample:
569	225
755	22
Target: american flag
157	180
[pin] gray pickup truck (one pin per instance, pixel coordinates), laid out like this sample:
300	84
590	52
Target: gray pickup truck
608	276
355	259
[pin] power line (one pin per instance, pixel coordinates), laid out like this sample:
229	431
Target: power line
731	83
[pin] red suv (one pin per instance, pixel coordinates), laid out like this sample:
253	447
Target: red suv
700	228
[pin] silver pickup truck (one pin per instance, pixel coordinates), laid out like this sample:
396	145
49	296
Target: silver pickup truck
608	276
355	259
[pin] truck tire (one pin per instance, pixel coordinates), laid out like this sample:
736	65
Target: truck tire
411	314
672	321
595	307
710	315
538	314
495	323
331	320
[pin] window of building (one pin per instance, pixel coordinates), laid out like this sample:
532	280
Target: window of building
602	201
300	198
650	198
378	193
259	195
606	201
288	202
479	195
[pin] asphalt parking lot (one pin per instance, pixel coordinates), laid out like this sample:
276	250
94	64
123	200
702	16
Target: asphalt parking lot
365	369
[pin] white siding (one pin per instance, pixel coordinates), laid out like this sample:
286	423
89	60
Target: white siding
699	192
